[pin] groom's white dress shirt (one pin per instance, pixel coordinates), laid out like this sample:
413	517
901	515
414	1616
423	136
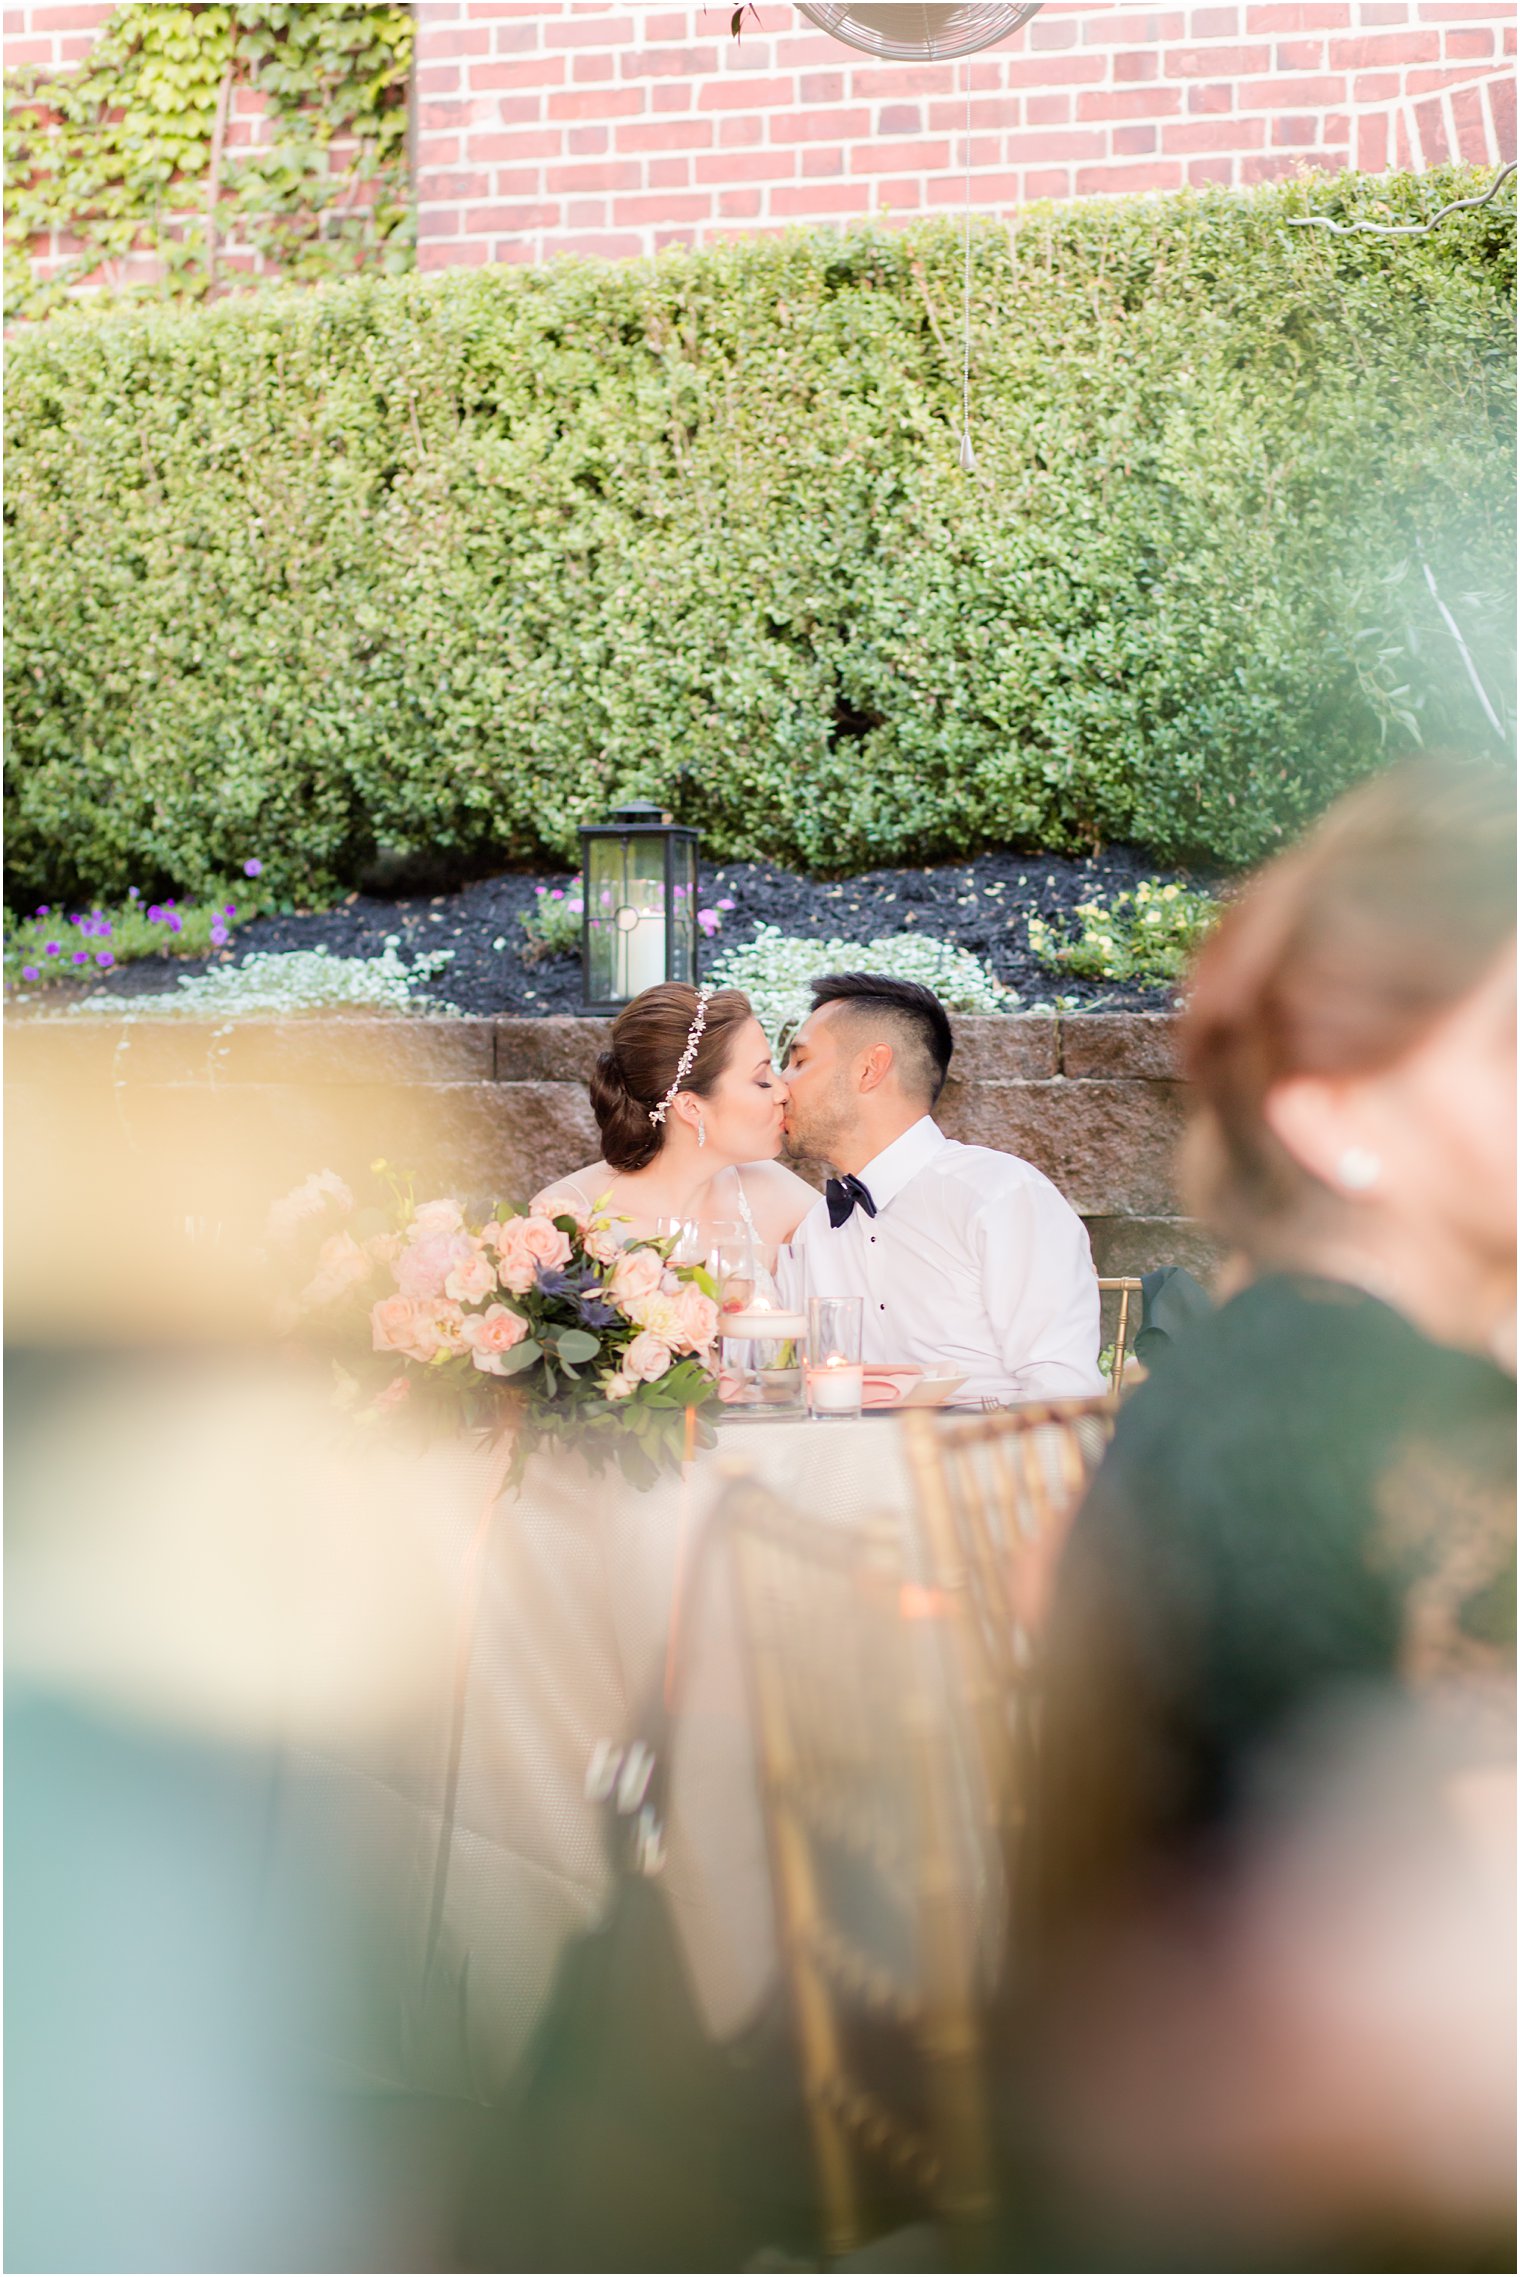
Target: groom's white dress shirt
973	1263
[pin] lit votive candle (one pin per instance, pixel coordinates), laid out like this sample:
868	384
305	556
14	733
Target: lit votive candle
836	1387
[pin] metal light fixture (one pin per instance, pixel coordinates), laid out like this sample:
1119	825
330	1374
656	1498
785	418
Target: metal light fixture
639	906
917	31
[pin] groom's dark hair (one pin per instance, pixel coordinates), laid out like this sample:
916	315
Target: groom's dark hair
913	1016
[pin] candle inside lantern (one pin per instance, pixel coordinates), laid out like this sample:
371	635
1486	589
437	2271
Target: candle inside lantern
640	953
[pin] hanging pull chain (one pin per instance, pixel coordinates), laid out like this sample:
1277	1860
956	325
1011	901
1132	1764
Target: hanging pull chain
968	455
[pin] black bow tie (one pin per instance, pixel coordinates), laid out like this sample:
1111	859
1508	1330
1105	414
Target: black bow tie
842	1194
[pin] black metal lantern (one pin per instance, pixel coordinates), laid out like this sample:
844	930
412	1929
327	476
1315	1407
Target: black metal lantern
639	922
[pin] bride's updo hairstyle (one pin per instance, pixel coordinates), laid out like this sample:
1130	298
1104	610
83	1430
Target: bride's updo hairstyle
648	1038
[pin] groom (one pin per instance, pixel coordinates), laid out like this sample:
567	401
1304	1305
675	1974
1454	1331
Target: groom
966	1259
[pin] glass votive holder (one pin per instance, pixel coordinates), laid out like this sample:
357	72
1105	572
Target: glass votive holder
835	1377
762	1360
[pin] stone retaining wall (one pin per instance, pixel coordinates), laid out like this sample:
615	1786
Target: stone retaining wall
494	1106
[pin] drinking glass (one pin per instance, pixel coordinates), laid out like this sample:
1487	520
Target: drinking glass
835	1377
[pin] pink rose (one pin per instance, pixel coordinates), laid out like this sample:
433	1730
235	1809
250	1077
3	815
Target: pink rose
646	1358
515	1269
550	1204
341	1265
398	1389
492	1334
523	1245
697	1318
308	1200
418	1328
471	1280
435	1217
637	1273
423	1268
544	1241
395	1327
619	1387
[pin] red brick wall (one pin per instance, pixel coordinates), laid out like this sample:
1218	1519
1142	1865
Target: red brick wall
578	126
549	126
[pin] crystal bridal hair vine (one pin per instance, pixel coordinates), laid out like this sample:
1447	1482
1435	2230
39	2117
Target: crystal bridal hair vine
688	1057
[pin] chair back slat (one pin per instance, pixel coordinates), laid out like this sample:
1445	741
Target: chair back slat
875	1903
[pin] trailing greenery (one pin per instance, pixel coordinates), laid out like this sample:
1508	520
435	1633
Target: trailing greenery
125	153
451	564
1148	933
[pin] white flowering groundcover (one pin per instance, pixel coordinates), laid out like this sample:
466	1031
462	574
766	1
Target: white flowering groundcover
776	971
276	986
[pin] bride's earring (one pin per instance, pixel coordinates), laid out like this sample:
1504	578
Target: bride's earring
1358	1170
701	1132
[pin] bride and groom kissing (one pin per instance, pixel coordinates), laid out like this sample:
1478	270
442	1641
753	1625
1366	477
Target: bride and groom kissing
965	1258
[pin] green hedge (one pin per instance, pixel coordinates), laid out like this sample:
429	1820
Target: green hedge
449	563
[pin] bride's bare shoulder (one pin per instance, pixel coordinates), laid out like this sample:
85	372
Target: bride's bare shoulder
580	1189
779	1196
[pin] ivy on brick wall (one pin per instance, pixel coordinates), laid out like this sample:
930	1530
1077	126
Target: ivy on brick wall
447	565
127	153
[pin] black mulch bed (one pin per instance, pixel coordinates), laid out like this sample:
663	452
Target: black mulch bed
481	923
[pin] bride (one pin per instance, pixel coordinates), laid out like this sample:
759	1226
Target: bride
690	1110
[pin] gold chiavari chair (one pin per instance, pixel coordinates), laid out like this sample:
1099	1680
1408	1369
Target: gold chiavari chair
1129	1289
875	1883
995	1494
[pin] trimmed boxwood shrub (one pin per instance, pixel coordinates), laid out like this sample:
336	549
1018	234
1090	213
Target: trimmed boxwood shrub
447	564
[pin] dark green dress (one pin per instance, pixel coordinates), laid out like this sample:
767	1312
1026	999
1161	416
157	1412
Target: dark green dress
1307	1504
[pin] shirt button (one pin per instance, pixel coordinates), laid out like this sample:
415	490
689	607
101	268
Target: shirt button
883	1308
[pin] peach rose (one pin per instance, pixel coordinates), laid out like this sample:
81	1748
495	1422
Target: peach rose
696	1318
423	1268
492	1334
473	1279
638	1273
543	1240
435	1217
341	1265
646	1358
396	1326
619	1387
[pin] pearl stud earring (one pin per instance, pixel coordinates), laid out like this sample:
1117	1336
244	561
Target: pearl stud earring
1358	1170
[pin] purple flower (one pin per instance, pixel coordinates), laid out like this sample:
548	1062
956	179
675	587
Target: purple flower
710	921
253	869
80	957
557	894
218	936
231	909
133	894
169	904
30	972
104	930
52	948
104	957
154	913
45	911
175	925
727	904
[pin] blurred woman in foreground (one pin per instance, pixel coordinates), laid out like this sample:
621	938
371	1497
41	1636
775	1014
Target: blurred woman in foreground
1310	1508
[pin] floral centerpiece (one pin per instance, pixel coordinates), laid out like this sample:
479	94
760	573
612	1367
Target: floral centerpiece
551	1328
